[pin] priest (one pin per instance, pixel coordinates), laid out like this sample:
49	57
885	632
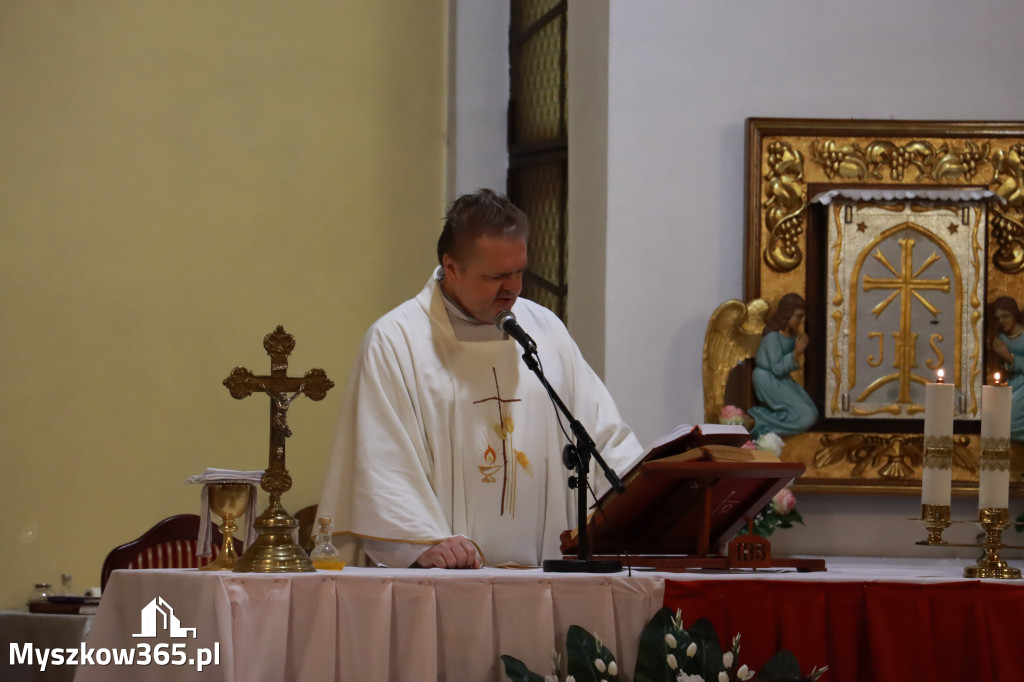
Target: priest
448	450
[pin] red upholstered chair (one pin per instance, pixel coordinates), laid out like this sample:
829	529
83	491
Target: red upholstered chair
169	544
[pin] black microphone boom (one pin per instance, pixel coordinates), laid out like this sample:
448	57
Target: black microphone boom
576	457
506	322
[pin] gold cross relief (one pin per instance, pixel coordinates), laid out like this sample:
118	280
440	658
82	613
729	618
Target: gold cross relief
907	285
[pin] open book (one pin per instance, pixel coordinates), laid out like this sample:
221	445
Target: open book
688	436
721	453
706	442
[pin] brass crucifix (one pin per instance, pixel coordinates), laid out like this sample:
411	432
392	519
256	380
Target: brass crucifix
275	551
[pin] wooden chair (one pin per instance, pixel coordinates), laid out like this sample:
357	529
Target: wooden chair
171	543
307	527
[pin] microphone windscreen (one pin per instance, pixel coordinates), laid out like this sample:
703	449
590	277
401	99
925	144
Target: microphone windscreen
501	318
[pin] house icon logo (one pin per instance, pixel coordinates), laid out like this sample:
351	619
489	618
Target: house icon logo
159	614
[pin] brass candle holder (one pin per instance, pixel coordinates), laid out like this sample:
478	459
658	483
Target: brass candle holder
995	457
993	521
935	518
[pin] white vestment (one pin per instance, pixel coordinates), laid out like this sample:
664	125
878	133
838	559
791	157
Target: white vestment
441	437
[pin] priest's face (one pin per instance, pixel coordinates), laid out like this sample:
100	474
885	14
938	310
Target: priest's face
489	278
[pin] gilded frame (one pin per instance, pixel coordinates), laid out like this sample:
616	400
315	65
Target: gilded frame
787	160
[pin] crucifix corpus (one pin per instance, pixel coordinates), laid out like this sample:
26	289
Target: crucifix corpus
275	550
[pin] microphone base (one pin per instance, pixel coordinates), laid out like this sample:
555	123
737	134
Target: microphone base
578	566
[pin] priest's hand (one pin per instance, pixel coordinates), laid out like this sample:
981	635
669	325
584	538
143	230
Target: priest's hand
453	552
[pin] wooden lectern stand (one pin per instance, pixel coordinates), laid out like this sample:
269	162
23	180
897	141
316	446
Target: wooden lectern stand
680	515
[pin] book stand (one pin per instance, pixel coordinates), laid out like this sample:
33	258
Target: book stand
676	516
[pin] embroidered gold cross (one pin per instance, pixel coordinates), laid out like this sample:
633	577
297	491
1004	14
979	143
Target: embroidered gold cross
502	429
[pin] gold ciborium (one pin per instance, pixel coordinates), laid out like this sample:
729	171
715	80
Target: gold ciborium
228	501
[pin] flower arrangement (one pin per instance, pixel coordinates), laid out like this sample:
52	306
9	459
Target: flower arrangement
770	442
781	511
731	415
668	653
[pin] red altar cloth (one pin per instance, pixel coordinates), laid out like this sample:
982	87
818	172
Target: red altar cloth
966	631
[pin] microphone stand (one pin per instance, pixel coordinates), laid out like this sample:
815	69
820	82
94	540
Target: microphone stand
577	457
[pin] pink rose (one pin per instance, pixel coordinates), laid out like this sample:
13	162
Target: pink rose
749	445
730	415
784	501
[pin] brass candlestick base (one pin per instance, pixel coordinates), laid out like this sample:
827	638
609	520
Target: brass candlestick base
994	521
228	501
935	518
274	550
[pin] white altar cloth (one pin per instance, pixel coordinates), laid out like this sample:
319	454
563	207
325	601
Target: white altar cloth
43	630
407	624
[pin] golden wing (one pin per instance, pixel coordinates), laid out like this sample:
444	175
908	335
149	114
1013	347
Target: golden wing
733	334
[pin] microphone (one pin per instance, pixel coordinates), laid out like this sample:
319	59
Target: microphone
506	322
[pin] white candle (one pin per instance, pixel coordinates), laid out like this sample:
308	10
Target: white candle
994	480
937	480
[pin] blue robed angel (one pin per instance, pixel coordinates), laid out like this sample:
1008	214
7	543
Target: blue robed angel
1009	349
785	407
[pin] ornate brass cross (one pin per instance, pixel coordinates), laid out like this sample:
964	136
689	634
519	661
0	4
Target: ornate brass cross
907	285
275	551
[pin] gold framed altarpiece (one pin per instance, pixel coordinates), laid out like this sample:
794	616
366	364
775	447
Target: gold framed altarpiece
898	235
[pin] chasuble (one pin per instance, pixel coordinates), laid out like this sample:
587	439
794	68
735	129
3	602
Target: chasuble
442	437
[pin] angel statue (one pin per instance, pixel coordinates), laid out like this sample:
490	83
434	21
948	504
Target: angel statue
1008	346
733	335
737	332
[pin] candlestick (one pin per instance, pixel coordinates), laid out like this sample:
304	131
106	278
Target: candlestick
994	479
992	565
937	473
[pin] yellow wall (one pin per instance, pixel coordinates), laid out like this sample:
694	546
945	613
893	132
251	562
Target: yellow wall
177	177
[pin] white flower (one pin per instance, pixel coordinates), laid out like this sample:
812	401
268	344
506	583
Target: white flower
744	673
550	678
683	677
723	676
672	664
691	650
677	620
613	669
670	640
770	442
570	678
727	659
599	665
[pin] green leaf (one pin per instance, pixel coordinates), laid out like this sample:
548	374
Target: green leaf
582	649
791	518
651	657
708	661
782	667
517	671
